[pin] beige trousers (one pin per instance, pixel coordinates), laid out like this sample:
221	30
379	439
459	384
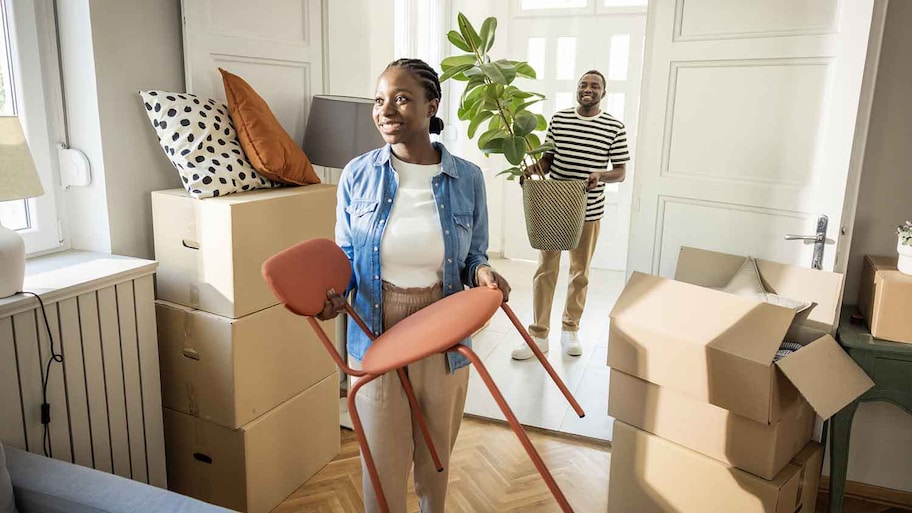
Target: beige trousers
394	438
546	278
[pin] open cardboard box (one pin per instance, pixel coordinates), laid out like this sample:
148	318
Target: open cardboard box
718	348
650	474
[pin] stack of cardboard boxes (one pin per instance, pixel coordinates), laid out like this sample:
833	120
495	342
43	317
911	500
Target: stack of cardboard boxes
706	421
250	394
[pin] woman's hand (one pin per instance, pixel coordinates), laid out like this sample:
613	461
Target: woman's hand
331	308
487	277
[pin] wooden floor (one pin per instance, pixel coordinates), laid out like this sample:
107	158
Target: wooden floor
491	473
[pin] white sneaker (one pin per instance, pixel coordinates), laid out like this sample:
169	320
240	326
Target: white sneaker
524	352
570	344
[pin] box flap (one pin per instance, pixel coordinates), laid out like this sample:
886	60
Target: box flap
657	309
822	288
825	375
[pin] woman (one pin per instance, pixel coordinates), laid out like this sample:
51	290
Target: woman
413	220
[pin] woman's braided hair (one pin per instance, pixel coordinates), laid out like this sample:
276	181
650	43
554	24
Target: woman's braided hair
427	77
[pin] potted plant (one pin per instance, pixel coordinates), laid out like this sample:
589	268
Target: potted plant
904	247
554	209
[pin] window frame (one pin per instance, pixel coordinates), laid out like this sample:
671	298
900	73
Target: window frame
38	100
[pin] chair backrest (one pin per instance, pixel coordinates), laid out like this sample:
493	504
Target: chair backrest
301	275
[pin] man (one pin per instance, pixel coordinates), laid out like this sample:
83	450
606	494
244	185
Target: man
589	145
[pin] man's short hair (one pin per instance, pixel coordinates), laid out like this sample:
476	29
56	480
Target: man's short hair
595	72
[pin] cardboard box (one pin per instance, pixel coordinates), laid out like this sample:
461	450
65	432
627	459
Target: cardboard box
652	475
210	250
759	448
718	347
230	371
885	299
254	468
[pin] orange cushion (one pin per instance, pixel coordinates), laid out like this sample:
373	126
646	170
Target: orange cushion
269	148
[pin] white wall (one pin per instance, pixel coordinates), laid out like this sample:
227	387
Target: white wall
138	45
881	445
110	49
359	44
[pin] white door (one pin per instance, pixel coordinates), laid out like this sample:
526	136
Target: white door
747	128
561	48
274	45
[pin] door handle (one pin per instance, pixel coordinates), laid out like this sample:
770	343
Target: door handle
819	241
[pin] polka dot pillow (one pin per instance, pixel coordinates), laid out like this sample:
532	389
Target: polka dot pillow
200	140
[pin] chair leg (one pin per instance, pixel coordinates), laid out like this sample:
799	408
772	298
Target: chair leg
362	441
517	427
544	361
416	411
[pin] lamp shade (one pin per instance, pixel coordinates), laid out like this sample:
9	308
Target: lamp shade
18	176
339	128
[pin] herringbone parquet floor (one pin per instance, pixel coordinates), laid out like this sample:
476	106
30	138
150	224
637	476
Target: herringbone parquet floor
490	472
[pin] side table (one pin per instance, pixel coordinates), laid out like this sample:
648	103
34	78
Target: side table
889	364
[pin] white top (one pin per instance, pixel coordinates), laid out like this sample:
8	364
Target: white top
412	252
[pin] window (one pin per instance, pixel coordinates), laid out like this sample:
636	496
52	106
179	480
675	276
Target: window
27	43
13	214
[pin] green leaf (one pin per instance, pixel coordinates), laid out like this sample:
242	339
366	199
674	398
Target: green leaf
524	123
494	73
453	71
538	150
507	69
542	122
524	69
457	60
513	171
496	122
514	149
492	146
469	34
526	105
487	33
492	134
479	118
532	141
458	41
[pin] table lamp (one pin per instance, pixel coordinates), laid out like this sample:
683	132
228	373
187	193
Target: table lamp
18	180
339	128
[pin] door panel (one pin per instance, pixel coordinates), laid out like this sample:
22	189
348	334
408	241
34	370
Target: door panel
747	127
275	45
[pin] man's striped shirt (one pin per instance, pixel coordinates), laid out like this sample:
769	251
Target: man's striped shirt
584	145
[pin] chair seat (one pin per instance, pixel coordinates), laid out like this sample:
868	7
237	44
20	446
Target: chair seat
432	329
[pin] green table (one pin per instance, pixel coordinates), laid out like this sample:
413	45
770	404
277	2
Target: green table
889	364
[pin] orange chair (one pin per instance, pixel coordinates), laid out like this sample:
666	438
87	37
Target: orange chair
305	275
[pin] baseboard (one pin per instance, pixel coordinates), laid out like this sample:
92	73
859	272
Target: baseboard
887	496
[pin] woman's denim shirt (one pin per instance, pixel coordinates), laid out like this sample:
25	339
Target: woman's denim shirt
366	193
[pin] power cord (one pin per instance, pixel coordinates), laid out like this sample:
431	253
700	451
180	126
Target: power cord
55	357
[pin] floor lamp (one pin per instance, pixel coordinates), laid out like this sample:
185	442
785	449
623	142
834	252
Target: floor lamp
18	180
340	128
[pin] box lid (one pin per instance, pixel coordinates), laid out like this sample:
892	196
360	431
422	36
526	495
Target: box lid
822	288
886	267
655	308
825	375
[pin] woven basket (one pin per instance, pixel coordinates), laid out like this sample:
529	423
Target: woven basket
555	212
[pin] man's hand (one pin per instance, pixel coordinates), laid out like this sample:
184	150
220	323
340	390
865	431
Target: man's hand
331	308
487	277
593	180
